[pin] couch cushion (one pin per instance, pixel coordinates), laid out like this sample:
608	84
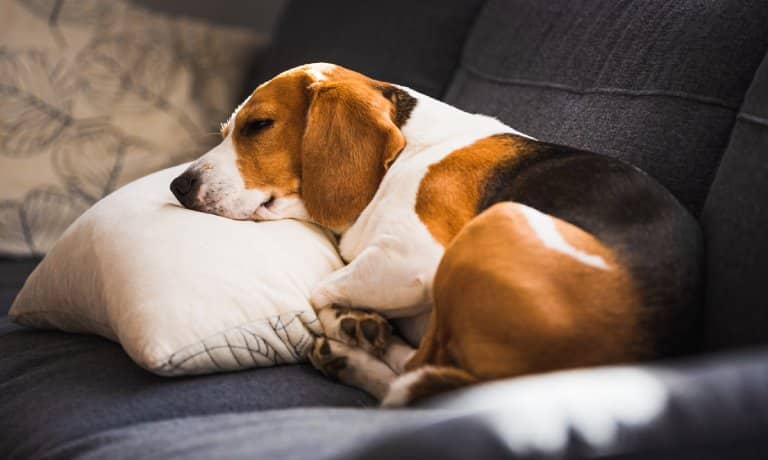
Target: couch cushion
55	387
412	43
657	83
13	272
690	410
735	222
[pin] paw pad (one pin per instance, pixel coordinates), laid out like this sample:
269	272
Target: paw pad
364	329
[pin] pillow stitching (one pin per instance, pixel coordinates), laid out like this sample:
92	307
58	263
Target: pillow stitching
234	355
169	365
277	326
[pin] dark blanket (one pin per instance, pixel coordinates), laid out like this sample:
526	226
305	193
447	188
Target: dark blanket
13	273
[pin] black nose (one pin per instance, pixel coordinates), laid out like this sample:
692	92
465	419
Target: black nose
184	188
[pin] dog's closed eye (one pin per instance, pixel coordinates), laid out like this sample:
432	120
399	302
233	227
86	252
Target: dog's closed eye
252	127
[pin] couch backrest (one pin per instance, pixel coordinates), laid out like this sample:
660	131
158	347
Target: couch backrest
414	43
654	82
735	221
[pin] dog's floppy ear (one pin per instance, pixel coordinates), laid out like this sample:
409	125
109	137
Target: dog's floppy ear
349	142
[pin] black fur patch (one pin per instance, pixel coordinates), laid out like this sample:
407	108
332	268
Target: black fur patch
650	231
403	102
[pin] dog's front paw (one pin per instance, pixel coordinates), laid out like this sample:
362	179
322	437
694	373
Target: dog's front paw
357	328
351	366
327	360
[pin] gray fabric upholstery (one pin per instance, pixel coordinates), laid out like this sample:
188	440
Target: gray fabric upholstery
55	387
13	273
412	43
656	83
703	415
735	222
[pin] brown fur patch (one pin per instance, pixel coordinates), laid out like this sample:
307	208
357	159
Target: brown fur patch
270	159
508	305
450	191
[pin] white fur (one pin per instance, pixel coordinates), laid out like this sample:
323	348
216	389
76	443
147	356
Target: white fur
318	70
545	228
399	392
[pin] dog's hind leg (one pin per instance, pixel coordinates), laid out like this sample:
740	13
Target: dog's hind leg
521	292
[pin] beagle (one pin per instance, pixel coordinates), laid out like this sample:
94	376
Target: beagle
496	254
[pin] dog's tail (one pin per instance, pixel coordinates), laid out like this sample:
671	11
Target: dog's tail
424	382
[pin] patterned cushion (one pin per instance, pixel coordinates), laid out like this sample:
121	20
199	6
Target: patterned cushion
96	94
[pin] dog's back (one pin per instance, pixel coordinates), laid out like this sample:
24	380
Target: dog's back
574	259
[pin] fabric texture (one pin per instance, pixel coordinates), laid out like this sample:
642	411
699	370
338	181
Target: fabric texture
56	388
260	16
655	83
183	292
13	273
97	94
416	44
706	409
735	222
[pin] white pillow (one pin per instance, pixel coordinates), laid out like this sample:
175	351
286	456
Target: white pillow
183	292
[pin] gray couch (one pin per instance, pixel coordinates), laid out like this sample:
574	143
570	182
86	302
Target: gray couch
678	88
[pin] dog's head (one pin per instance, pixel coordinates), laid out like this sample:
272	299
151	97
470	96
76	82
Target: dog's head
313	143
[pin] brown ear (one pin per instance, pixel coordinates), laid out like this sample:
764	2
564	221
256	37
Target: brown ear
349	142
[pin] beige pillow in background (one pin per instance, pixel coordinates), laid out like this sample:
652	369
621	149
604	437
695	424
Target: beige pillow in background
97	93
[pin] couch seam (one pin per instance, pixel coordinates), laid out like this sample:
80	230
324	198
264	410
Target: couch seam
752	118
603	90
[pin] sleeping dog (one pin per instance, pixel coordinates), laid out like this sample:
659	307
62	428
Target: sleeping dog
499	255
